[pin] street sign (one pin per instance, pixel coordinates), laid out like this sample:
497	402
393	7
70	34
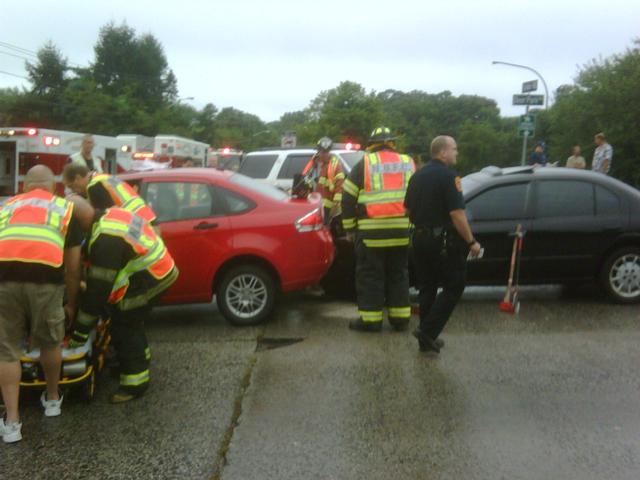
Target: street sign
519	99
530	86
527	124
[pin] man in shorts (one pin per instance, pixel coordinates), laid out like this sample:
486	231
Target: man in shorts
40	242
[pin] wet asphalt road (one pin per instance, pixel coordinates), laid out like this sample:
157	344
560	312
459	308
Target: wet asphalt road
551	393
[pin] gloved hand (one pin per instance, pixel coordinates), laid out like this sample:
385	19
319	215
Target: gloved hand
78	339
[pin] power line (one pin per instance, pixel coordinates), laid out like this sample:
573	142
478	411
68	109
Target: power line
16	48
17	56
14	75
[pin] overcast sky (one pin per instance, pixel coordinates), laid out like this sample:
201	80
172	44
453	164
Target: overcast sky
271	57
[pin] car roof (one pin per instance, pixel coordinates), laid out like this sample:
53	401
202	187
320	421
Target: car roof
495	175
196	173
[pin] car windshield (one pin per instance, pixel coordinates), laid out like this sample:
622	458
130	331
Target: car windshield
352	157
262	188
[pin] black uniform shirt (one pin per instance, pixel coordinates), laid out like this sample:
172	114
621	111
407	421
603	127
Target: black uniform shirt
434	191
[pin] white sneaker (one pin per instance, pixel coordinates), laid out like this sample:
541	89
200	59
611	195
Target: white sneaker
52	408
11	432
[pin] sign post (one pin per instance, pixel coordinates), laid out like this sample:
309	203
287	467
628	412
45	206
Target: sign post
526	126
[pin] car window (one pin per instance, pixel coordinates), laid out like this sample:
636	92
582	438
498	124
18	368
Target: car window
294	163
258	166
173	201
564	198
262	188
236	203
506	202
607	202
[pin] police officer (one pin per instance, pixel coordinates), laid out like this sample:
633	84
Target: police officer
374	216
441	241
85	155
105	191
325	175
129	268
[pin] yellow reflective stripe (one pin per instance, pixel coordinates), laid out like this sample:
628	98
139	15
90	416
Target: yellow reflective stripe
383	223
43	233
143	299
327	203
400	312
374	173
384	243
100	273
348	223
337	197
324	181
351	188
369	316
147	353
133	380
381	197
339	176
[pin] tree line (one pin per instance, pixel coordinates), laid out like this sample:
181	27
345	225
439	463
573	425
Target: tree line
130	88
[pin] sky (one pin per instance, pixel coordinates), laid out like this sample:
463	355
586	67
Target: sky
271	57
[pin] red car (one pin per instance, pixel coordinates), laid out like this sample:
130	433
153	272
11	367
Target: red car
236	238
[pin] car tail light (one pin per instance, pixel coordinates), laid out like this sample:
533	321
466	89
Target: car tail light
311	222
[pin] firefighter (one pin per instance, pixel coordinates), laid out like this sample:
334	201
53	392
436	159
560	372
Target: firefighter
85	155
374	217
325	175
105	191
40	239
129	267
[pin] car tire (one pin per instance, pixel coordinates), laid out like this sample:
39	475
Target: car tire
246	295
620	275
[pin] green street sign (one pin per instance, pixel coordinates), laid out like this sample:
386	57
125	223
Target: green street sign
527	124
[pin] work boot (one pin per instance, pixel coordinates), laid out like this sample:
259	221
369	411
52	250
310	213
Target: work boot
438	341
399	324
122	396
361	326
426	344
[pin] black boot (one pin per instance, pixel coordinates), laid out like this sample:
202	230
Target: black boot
361	326
399	324
427	344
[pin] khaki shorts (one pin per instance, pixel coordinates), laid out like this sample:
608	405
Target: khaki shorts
33	308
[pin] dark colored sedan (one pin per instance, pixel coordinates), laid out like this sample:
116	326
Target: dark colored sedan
580	226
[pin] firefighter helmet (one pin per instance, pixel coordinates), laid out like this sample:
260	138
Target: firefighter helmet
324	144
381	135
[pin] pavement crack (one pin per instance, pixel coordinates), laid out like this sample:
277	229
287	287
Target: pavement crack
221	458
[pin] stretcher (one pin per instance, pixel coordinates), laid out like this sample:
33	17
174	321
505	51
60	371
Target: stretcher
80	366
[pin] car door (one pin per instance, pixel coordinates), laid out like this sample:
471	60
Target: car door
196	232
493	215
565	233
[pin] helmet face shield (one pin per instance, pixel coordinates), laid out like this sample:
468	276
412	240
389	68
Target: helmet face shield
324	144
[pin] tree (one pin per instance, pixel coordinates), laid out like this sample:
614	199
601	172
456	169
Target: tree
133	66
48	74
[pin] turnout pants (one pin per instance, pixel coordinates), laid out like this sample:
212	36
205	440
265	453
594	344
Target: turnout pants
130	343
438	265
382	279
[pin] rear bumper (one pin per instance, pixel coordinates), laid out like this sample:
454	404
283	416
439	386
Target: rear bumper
308	257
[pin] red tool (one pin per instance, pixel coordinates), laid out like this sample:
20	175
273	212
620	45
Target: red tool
510	303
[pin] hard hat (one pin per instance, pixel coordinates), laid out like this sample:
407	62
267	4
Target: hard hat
325	144
381	135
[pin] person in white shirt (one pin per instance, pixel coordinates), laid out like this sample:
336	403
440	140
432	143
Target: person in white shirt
85	155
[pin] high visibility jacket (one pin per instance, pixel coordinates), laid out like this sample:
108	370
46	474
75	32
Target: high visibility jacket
373	201
33	227
152	255
122	195
329	182
127	281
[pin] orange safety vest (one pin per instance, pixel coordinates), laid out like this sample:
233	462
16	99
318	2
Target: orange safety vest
386	178
123	195
152	255
33	227
326	184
